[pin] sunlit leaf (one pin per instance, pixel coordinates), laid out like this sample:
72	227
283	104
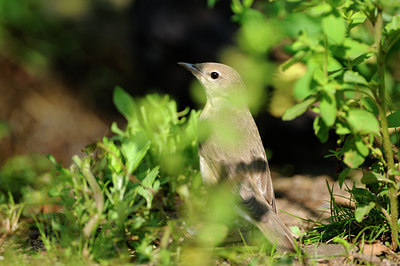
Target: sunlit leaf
319	9
362	121
213	233
393	25
148	181
257	34
236	7
354	77
353	158
320	77
124	103
357	18
298	109
355	49
328	109
361	146
134	151
343	242
247	3
363	210
145	193
341	129
302	88
335	28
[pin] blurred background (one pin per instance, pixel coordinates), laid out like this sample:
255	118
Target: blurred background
60	61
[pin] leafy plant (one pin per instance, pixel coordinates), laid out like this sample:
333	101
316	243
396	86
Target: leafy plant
346	85
117	201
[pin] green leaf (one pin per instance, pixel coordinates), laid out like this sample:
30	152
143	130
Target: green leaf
363	122
298	109
393	25
319	9
257	34
302	88
356	19
115	129
354	77
369	105
355	49
211	3
394	119
373	177
134	151
343	242
145	193
342	129
113	154
343	175
362	194
236	7
320	129
296	230
361	146
137	222
359	59
353	158
328	108
334	28
247	3
319	76
295	59
150	178
363	210
124	103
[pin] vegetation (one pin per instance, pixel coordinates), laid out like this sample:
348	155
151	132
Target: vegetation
346	77
137	196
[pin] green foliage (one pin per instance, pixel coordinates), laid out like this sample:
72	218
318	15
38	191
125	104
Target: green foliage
347	227
345	86
10	213
118	199
21	174
135	197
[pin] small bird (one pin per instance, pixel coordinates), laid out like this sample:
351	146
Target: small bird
233	150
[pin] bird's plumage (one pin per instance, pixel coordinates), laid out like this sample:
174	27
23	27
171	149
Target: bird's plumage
233	150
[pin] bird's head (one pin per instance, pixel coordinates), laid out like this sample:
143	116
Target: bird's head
221	82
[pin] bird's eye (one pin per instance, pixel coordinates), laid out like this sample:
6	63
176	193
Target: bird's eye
214	75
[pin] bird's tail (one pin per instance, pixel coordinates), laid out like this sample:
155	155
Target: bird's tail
276	232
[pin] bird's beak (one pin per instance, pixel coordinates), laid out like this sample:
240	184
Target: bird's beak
192	68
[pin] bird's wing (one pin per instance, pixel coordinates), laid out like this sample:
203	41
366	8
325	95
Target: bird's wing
244	165
243	162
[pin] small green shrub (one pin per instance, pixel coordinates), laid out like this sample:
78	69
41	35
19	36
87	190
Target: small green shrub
346	84
120	200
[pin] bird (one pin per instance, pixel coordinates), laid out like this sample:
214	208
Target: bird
232	150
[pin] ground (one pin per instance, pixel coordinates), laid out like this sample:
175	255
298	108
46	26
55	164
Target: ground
308	197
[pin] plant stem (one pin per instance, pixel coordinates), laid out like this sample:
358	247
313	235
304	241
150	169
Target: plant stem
387	145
